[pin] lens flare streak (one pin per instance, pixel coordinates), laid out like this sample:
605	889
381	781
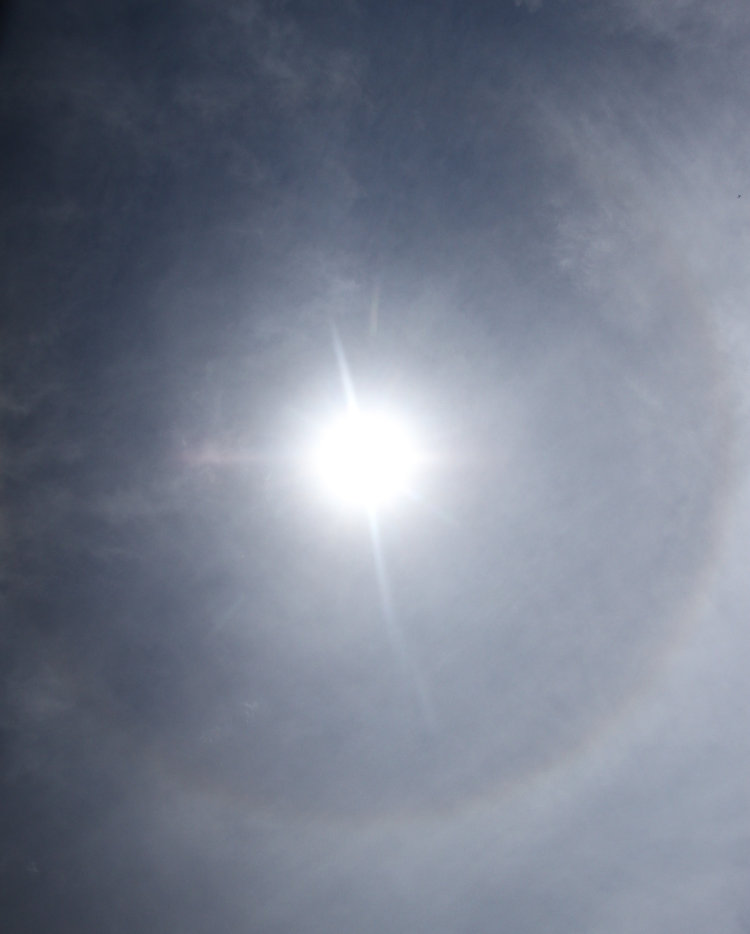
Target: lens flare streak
394	631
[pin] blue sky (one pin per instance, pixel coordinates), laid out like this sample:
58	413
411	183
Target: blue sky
521	705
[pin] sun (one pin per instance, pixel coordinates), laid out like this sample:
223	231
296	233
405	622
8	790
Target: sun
365	459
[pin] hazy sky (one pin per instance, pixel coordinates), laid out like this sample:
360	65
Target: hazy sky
529	225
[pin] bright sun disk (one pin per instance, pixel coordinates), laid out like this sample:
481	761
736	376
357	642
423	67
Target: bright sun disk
366	459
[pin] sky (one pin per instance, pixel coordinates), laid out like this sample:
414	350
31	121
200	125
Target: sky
517	699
